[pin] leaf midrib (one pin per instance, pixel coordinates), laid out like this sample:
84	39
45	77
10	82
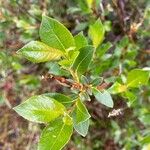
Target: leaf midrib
83	113
57	137
55	34
84	59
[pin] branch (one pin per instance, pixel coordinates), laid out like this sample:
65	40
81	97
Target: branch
74	85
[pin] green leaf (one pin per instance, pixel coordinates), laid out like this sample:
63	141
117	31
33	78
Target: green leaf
56	69
40	109
130	96
67	63
102	49
137	77
80	40
84	79
104	97
117	88
81	118
84	5
37	52
84	96
80	114
96	33
56	35
82	127
97	81
55	136
67	119
83	60
60	98
145	140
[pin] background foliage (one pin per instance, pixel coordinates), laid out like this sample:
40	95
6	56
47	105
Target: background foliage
126	46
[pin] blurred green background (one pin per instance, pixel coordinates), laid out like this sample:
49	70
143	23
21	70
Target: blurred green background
127	25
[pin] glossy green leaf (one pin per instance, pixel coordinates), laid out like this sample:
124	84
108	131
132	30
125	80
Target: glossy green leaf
83	60
40	109
80	40
82	127
60	98
55	136
37	52
96	33
56	35
103	97
137	77
81	113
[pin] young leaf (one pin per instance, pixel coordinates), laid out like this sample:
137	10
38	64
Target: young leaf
117	88
80	40
67	63
81	114
60	98
130	96
137	77
84	5
97	81
96	32
37	52
40	109
83	59
55	136
55	34
104	98
84	79
82	127
84	96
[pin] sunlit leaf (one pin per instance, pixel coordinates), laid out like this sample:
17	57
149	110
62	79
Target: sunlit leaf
55	136
83	59
137	77
80	40
60	98
117	88
55	34
96	32
40	109
37	52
